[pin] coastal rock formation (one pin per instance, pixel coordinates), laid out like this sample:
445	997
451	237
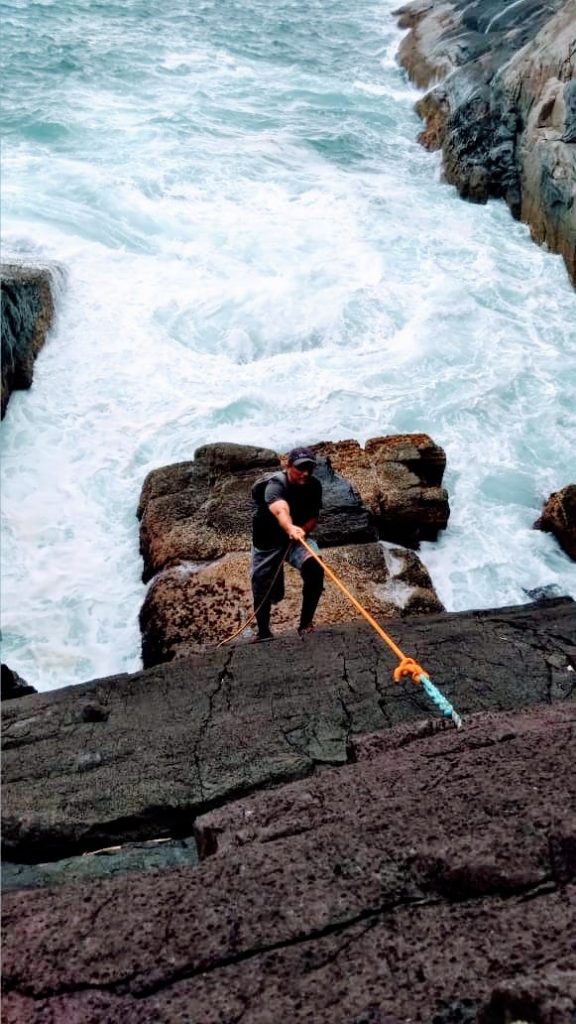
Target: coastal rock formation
27	315
195	531
12	685
503	105
559	518
360	860
186	607
130	758
399	479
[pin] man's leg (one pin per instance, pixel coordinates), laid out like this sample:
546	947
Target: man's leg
313	577
263	620
267	578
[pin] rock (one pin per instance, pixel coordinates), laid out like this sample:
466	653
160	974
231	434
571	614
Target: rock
195	535
187	606
12	685
559	518
153	855
200	510
320	900
502	106
548	996
399	480
186	737
27	315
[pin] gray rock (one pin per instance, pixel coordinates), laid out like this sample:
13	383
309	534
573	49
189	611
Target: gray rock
185	736
27	298
502	105
153	855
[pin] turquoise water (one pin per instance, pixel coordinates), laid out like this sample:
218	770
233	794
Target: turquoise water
255	249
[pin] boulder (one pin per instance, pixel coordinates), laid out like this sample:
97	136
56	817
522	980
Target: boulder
195	536
187	606
398	478
198	511
502	106
12	685
559	518
27	315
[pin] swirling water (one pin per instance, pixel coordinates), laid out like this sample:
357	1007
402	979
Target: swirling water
256	249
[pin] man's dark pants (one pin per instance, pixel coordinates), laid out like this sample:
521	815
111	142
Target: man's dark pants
267	579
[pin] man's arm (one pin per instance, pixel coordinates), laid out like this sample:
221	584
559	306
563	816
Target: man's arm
281	510
310	525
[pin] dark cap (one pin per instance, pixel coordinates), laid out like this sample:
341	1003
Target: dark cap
300	457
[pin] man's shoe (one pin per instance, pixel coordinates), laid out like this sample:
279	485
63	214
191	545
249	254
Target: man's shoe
303	630
261	638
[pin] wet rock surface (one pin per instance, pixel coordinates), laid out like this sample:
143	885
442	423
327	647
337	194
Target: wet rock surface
27	315
559	518
502	105
154	855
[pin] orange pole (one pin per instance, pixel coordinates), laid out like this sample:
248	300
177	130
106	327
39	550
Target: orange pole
388	640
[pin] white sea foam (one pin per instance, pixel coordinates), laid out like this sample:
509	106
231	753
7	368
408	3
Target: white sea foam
257	250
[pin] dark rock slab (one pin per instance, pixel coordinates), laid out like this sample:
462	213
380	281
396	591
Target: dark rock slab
27	315
559	518
179	739
431	877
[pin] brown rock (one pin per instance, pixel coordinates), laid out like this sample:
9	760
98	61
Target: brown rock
398	478
200	510
559	518
423	52
397	888
186	606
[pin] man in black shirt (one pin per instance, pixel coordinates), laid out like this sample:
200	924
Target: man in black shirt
286	508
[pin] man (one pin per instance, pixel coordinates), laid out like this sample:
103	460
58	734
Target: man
286	507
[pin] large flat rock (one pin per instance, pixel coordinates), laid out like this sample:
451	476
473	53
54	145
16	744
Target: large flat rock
140	757
431	880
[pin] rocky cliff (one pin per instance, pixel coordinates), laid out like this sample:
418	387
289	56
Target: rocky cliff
502	107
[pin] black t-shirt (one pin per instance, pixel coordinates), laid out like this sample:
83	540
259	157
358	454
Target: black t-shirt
304	502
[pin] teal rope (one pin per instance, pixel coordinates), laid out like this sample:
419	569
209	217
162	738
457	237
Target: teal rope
440	701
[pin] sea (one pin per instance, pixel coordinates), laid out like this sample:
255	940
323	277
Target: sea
250	245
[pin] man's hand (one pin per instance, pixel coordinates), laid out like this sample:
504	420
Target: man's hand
296	533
